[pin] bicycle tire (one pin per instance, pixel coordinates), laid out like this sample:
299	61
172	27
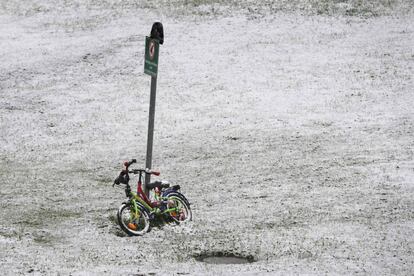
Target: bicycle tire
184	213
128	219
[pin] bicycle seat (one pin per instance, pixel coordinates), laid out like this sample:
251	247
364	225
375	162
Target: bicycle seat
158	184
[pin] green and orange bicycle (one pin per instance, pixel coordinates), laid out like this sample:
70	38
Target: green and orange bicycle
135	216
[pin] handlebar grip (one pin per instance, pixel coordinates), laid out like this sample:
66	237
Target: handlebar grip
149	171
129	163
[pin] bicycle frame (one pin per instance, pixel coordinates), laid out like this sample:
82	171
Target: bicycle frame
140	198
138	201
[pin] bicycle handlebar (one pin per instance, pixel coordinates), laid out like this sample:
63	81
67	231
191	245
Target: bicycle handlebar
135	171
129	163
124	177
147	171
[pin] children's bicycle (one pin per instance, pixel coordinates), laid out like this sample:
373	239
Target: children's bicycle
136	215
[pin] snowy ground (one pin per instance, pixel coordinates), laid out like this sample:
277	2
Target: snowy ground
289	126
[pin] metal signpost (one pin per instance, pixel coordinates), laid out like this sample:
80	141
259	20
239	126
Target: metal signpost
152	46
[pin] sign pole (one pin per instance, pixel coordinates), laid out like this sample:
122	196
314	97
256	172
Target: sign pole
152	46
150	136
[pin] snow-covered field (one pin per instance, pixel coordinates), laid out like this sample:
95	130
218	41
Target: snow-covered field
288	124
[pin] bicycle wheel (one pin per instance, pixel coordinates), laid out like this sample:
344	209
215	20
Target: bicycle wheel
180	211
133	222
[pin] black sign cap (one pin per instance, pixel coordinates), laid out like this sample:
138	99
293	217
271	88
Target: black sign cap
157	32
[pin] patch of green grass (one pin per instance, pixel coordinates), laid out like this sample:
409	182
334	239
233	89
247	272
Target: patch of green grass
11	234
118	232
45	216
104	180
113	219
44	240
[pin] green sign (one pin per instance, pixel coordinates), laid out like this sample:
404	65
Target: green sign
152	48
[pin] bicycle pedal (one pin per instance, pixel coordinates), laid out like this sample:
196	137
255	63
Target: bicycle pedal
132	226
